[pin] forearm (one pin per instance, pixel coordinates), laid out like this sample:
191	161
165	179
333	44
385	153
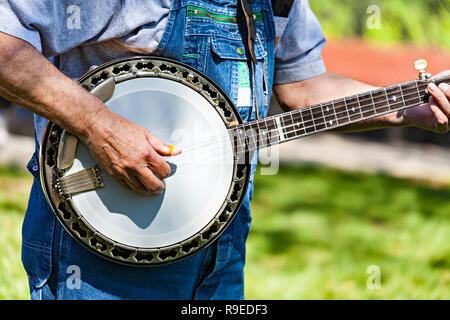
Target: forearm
28	79
130	153
330	86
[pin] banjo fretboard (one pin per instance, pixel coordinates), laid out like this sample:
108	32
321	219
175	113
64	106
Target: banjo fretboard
337	113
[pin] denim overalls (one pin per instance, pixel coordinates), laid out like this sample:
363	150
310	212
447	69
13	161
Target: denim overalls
204	35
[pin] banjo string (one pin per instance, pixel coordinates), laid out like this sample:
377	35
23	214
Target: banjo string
243	141
76	177
319	110
271	129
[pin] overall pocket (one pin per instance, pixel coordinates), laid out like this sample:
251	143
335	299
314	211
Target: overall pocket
229	54
216	44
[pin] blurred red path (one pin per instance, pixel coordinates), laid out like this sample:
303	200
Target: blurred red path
378	64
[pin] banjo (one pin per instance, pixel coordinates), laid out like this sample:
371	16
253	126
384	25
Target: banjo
208	180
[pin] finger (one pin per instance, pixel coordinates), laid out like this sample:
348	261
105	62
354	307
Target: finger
440	98
127	181
445	88
161	147
157	164
123	183
150	182
151	187
441	120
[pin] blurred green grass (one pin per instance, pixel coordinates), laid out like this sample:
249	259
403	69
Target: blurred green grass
15	185
315	231
422	22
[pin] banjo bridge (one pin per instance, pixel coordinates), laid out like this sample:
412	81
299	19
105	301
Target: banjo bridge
85	180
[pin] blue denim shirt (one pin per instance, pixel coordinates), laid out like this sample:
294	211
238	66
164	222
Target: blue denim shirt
50	255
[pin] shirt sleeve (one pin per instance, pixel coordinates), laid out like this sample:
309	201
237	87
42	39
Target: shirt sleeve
300	42
14	21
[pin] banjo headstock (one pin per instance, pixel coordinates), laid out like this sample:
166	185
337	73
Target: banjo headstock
421	65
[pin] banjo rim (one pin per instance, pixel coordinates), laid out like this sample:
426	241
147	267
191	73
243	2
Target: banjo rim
106	247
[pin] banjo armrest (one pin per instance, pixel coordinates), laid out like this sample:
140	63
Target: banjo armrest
66	151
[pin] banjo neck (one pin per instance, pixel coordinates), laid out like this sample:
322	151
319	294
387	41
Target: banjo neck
330	115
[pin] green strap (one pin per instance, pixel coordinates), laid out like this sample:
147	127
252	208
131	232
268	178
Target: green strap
193	11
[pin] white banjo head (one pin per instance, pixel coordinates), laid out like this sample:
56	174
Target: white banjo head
203	192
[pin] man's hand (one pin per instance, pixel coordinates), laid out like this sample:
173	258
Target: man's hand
130	153
434	115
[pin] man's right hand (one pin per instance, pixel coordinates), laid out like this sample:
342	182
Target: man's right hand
130	153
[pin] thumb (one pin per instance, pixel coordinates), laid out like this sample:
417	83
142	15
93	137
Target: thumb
161	147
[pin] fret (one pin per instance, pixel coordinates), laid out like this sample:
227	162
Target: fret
289	131
373	102
312	117
422	89
272	133
245	142
318	117
279	128
262	132
244	138
261	128
395	98
359	106
402	95
341	112
330	116
424	93
335	115
387	99
380	102
412	94
293	128
294	122
282	125
282	119
366	105
353	109
418	91
300	127
252	134
308	122
236	136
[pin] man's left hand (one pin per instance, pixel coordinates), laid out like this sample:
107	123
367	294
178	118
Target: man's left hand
435	114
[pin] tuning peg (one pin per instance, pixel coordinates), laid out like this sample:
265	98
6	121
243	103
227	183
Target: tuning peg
421	65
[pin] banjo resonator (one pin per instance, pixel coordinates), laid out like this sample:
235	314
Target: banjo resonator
202	194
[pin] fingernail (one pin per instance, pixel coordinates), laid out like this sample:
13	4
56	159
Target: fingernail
432	87
444	87
159	191
173	149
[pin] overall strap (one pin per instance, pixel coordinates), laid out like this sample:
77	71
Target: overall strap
281	8
246	6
